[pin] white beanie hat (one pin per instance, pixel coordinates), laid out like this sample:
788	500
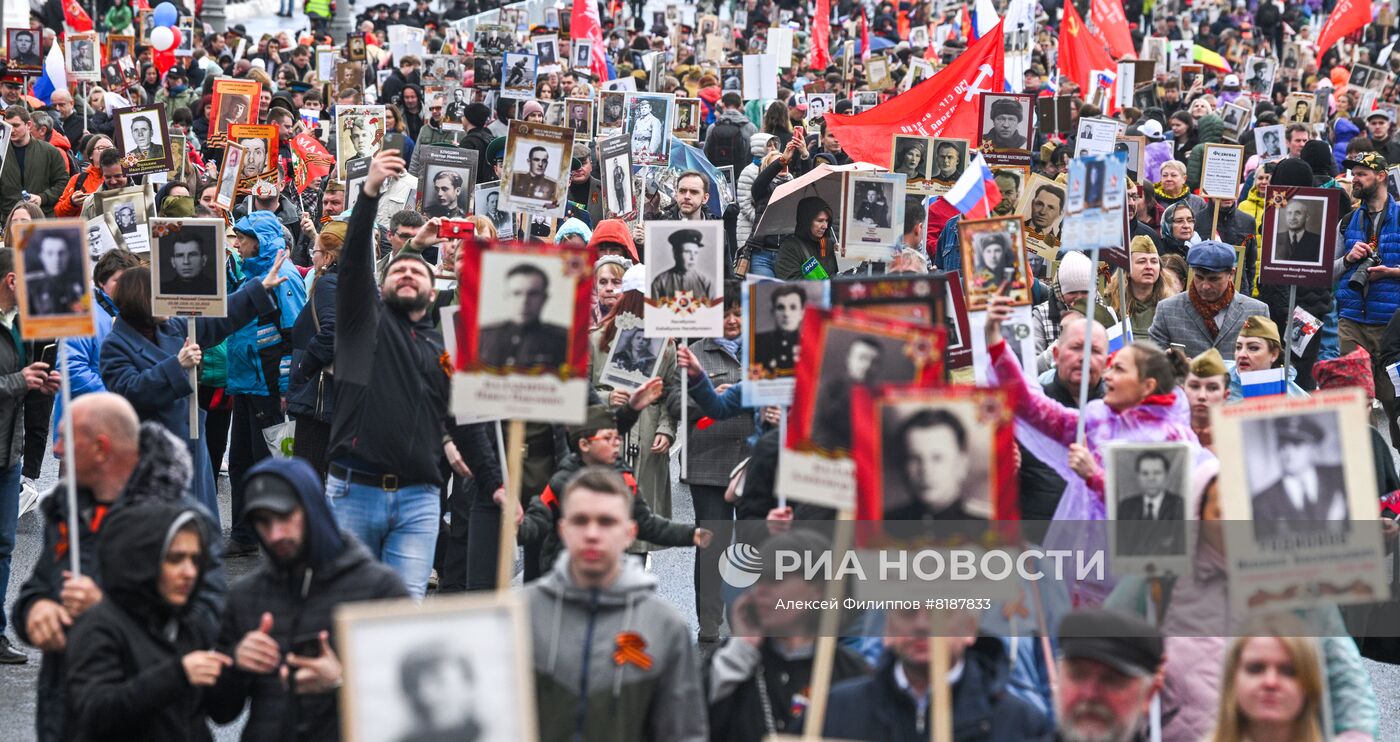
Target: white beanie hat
635	279
1075	273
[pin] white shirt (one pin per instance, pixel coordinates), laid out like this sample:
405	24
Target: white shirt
921	700
1302	490
1153	505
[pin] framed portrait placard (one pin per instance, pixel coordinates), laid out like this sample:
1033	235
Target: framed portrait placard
259	143
944	453
959	351
1005	131
234	102
446	184
359	132
83	53
647	120
398	656
994	258
578	115
54	279
685	264
487	203
1222	167
518	73
187	268
144	140
687	123
1298	552
633	358
912	156
1299	236
534	178
127	213
612	117
844	349
874	211
1147	487
523	332
773	312
227	191
950	159
23	50
1268	142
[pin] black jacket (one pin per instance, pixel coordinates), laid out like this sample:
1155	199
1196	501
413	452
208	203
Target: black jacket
302	600
875	708
162	474
1041	487
760	483
309	392
391	390
478	140
125	677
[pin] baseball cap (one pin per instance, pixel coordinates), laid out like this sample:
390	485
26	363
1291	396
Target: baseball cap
1152	129
1232	81
1379	113
1370	160
268	491
1123	642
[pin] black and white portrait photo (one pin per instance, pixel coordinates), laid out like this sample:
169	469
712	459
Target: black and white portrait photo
913	156
618	186
582	50
648	117
1300	237
518	73
54	263
949	159
993	253
776	310
187	267
1147	485
685	266
83	58
935	461
1298	232
488	204
1006	123
1268	142
687	123
547	52
1093	183
536	176
486	72
525	311
23	47
1259	76
612	118
1303	490
457	669
633	357
445	194
851	358
125	212
578	115
873	204
141	134
228	175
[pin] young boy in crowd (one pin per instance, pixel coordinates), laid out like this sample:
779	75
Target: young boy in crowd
598	443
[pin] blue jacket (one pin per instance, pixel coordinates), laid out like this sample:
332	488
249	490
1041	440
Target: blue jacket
149	375
260	349
84	356
1383	297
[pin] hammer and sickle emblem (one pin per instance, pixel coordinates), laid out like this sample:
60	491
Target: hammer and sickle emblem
983	72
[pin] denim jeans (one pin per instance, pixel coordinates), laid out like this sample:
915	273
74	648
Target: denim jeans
763	263
9	519
286	6
398	527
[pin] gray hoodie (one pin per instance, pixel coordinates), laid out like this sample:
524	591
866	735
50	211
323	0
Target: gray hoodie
581	690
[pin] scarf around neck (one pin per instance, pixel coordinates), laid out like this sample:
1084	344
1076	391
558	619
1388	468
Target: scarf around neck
1208	310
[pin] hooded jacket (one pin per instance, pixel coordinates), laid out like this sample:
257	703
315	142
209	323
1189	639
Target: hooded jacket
302	599
1342	133
581	691
1210	129
125	678
614	230
875	708
259	354
748	212
799	246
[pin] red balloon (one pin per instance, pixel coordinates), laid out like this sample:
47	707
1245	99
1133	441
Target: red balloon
175	30
165	60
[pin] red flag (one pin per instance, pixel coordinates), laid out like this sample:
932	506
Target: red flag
965	25
1111	25
1080	52
1348	16
944	105
311	161
76	18
820	57
864	38
584	24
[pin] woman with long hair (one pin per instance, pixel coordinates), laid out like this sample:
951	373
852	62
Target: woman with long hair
394	122
86	182
22	212
777	122
1271	692
147	359
648	445
1183	127
1146	287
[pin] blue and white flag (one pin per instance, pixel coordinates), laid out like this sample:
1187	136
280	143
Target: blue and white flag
1265	383
55	75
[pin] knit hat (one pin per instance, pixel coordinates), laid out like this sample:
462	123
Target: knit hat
177	207
477	114
531	106
1142	243
1207	364
573	227
1256	326
1076	273
1351	370
1292	171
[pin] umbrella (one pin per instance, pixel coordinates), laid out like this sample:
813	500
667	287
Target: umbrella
686	157
877	43
823	181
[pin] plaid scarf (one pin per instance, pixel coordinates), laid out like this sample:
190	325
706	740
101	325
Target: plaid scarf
1208	310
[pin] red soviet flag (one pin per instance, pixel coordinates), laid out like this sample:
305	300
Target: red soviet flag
585	24
944	105
76	18
1112	26
820	57
1080	52
1348	16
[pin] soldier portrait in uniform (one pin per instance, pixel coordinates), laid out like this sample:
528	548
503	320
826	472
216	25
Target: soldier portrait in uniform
534	181
686	272
524	318
24	49
518	76
53	272
446	195
143	137
1307	495
488	204
649	117
187	263
776	310
949	159
935	461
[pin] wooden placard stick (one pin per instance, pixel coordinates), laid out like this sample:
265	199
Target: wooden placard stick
825	658
515	459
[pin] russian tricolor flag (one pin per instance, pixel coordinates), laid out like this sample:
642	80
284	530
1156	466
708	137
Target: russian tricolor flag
1265	383
55	75
974	195
984	18
1120	335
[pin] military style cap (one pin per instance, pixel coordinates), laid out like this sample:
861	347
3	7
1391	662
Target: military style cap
1207	364
1142	243
1298	430
1260	327
496	150
1371	160
1212	255
599	418
683	237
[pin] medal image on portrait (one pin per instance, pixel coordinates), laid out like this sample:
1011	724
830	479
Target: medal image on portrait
648	117
995	250
359	133
685	296
1299	236
53	278
259	142
23	49
142	138
776	309
187	267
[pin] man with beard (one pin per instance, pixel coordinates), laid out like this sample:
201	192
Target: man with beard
389	433
776	349
279	613
1110	668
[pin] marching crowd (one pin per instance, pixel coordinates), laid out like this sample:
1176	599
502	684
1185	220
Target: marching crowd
334	322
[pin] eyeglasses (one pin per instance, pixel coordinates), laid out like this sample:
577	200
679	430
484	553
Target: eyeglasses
605	437
1184	220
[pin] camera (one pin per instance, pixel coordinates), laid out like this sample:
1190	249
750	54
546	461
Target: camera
1360	280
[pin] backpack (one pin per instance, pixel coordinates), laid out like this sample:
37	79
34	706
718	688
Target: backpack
723	144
